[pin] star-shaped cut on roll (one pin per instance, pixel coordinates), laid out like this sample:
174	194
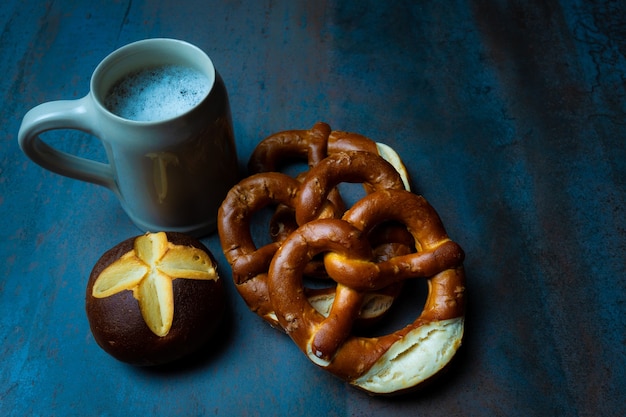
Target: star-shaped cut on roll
148	271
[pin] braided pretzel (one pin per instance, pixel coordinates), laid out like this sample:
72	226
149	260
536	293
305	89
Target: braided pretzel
390	363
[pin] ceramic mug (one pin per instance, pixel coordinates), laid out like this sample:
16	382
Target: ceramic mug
169	174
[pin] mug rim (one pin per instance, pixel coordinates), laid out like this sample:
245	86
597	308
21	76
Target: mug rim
99	88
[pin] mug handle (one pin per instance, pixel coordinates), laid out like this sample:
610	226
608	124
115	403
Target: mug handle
56	115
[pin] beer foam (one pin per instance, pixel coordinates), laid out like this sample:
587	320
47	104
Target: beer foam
158	93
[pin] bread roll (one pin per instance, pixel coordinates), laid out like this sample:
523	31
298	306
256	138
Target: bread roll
154	298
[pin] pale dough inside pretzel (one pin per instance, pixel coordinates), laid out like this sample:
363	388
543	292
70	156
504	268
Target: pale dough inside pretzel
416	357
391	156
374	304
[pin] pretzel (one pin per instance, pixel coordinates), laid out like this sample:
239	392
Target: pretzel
288	145
400	360
318	185
249	264
351	166
387	241
314	145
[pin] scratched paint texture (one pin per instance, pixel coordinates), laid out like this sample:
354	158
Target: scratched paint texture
510	116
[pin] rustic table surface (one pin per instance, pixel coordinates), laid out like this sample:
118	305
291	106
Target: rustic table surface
511	119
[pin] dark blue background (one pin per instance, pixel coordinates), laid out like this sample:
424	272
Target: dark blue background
510	116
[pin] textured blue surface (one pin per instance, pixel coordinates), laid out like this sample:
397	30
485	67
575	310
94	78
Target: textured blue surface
509	115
